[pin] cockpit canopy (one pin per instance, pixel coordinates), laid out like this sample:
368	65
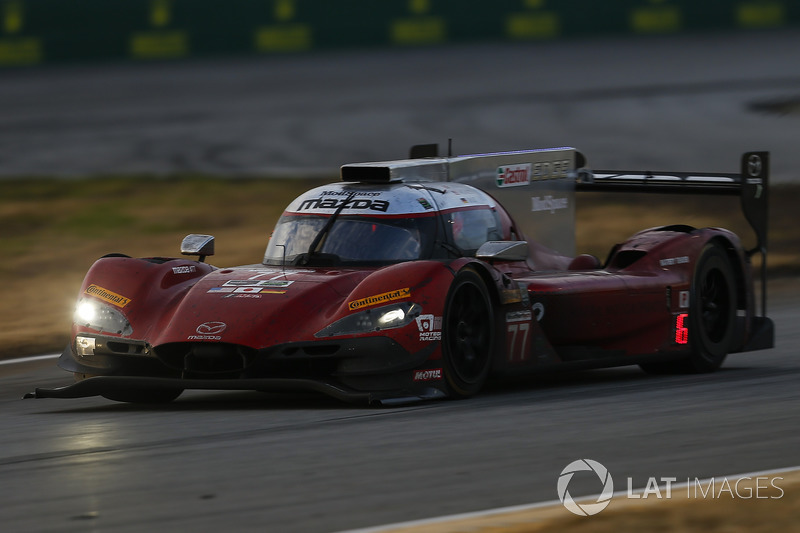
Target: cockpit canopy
383	224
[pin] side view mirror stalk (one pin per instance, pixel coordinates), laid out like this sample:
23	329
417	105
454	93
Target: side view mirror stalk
200	245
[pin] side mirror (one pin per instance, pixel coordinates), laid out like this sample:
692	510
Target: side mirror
503	251
194	244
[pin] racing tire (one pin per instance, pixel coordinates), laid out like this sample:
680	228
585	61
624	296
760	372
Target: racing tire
712	310
712	315
144	396
467	334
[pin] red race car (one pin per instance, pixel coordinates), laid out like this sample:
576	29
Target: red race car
410	280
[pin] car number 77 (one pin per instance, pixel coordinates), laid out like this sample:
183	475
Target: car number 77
517	352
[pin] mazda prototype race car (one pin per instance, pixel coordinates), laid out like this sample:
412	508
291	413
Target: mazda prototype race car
410	280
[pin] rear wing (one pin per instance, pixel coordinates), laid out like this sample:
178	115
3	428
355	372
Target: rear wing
751	184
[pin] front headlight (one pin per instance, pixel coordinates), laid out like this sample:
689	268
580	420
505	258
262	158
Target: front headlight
386	317
101	317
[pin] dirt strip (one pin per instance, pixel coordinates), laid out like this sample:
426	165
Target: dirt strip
764	503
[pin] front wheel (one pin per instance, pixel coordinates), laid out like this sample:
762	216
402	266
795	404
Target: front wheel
467	334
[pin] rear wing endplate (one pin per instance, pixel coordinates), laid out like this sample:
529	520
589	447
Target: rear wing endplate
751	185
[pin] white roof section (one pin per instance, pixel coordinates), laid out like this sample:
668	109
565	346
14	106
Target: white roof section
389	199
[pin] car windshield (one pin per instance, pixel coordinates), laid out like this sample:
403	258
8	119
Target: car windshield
352	240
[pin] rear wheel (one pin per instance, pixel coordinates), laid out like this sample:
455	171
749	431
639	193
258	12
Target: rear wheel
467	334
712	315
712	310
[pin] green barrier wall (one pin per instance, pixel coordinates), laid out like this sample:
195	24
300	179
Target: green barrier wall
57	31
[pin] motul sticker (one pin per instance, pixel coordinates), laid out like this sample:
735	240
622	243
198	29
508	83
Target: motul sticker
376	299
428	375
107	295
514	175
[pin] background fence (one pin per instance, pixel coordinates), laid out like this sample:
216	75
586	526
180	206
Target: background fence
58	31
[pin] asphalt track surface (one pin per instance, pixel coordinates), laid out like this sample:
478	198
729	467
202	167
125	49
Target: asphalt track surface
678	103
259	462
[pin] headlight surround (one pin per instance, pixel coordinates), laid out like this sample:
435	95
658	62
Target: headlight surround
101	317
386	317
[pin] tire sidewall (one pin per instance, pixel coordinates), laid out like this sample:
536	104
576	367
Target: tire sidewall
707	353
459	386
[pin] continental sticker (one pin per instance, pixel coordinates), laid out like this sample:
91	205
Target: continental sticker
107	295
376	299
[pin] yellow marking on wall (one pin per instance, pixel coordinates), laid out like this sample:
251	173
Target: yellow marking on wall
528	26
419	7
160	13
656	19
284	38
159	45
761	15
12	17
284	10
533	4
21	51
419	31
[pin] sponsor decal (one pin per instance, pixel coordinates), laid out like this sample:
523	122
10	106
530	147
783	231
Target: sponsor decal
525	173
424	203
548	170
430	327
514	175
244	290
334	203
519	316
209	331
754	166
674	261
376	299
186	269
107	295
548	203
683	299
428	375
349	192
259	286
257	283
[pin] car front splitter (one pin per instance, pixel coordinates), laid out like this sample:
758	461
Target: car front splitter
97	386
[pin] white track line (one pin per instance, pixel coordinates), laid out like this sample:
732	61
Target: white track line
29	359
532	506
